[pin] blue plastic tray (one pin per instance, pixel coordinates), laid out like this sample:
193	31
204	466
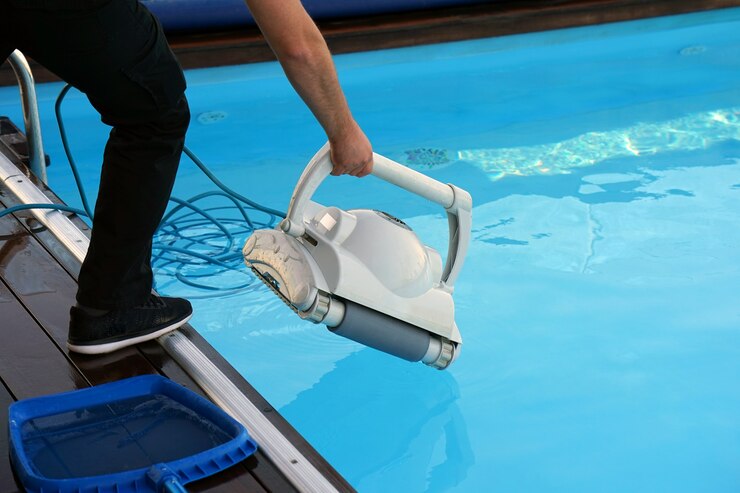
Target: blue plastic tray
134	435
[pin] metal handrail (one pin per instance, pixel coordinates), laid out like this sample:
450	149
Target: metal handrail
31	118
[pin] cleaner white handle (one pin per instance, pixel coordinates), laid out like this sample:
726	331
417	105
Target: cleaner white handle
456	201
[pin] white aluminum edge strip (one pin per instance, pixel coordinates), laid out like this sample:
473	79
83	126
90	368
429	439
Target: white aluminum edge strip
299	471
55	221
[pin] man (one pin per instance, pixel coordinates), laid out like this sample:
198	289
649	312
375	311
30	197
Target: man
115	52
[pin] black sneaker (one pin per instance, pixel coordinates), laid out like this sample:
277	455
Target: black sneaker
120	328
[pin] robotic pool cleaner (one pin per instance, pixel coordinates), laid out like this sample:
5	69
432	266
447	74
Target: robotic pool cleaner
364	273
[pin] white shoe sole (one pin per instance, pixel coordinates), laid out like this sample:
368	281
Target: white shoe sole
114	346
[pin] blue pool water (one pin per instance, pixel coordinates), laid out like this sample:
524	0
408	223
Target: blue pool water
599	302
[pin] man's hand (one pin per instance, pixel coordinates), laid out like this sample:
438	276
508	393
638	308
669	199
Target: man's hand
352	153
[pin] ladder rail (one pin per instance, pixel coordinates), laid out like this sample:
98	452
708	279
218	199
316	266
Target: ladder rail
31	119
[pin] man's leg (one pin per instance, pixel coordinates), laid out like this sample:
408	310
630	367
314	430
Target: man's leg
117	55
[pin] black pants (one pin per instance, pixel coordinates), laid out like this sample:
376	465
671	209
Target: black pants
116	53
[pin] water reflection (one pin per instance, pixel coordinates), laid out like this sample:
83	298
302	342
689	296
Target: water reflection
425	448
689	133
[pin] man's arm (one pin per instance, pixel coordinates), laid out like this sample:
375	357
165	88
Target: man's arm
301	50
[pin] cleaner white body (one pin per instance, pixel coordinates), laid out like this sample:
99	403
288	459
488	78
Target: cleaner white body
364	273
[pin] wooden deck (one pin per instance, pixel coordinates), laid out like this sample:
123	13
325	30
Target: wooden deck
37	287
494	18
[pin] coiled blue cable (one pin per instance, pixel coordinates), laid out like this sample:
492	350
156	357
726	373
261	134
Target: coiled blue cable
192	243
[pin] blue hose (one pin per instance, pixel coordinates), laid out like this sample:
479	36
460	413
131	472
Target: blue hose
65	144
191	242
58	207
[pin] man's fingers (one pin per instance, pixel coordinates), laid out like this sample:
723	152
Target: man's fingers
362	170
351	152
359	170
365	170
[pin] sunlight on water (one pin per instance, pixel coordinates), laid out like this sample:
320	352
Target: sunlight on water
693	132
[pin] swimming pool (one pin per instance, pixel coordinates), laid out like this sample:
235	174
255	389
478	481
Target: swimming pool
599	302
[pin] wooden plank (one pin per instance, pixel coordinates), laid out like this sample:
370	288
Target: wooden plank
7	482
30	363
498	18
37	279
235	479
47	291
494	18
